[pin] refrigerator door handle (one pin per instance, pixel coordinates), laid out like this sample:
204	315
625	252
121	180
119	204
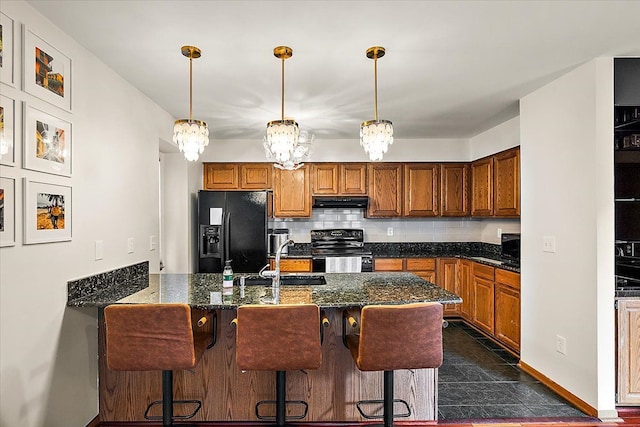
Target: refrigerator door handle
227	236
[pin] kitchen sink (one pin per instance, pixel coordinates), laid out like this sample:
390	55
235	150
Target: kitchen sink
285	280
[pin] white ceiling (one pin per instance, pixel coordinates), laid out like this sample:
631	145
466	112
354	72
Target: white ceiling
452	70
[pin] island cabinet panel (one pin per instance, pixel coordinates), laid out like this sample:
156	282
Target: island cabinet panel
483	297
466	289
292	265
324	177
454	189
353	179
629	352
482	187
388	264
506	183
385	190
220	176
447	278
255	176
507	316
292	192
229	394
421	190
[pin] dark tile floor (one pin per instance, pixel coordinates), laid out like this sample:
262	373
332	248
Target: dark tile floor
478	379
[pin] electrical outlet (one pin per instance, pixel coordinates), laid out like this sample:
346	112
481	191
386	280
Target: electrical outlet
561	344
499	233
130	245
99	249
389	231
549	244
152	243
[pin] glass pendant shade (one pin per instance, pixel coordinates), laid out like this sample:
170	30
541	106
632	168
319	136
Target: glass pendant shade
375	137
191	136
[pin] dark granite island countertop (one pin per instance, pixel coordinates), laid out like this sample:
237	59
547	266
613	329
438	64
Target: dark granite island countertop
205	291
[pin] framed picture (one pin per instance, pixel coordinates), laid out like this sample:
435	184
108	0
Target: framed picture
7	211
47	71
7	134
46	143
7	70
47	212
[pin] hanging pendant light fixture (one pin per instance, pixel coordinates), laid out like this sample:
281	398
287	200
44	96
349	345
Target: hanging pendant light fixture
191	135
376	135
284	143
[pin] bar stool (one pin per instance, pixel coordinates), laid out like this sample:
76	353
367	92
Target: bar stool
278	338
150	337
394	337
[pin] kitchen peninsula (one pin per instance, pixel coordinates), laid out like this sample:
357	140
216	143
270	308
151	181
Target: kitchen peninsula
229	394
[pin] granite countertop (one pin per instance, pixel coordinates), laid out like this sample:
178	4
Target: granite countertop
206	291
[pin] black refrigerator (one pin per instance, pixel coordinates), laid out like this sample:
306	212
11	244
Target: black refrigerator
232	225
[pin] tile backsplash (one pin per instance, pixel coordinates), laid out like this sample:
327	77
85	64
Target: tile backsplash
403	229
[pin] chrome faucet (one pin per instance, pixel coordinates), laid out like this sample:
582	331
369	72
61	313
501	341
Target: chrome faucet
275	274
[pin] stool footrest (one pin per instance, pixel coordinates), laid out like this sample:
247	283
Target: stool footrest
273	402
175	417
379	401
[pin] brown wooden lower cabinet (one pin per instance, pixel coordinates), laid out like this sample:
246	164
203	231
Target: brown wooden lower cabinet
483	303
629	352
466	287
292	265
507	308
447	278
421	267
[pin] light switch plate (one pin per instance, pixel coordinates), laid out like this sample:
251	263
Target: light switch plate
152	243
99	249
130	245
549	244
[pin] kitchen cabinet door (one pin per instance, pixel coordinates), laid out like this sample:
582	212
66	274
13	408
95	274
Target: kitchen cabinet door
466	289
220	176
292	193
421	189
385	190
483	293
255	176
629	352
482	187
447	278
292	265
324	177
507	320
506	183
454	189
388	264
353	179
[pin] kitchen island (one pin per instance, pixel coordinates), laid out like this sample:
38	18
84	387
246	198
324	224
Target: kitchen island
229	394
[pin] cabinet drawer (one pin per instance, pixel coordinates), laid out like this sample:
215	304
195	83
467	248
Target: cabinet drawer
508	278
485	271
421	264
388	264
292	265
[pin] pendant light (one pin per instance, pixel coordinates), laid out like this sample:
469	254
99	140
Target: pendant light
284	143
376	135
191	135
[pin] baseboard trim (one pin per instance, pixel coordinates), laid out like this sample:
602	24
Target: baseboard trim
563	392
94	422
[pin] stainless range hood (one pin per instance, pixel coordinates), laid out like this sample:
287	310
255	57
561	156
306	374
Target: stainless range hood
346	202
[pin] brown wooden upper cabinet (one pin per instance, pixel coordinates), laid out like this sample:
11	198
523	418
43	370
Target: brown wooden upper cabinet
339	179
421	189
506	183
385	189
454	189
292	192
482	187
495	185
236	176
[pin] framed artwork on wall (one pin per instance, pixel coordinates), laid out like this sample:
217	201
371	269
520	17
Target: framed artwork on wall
47	142
7	212
47	212
47	71
7	131
7	69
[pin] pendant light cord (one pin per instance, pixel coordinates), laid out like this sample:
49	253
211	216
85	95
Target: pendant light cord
375	88
191	85
282	105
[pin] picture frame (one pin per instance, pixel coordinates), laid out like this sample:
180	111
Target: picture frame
47	142
7	131
47	212
46	71
7	63
7	212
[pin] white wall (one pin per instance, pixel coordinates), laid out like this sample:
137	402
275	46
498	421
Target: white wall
48	353
499	138
567	192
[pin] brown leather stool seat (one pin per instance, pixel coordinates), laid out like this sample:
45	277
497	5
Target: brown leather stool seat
396	337
150	337
278	338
